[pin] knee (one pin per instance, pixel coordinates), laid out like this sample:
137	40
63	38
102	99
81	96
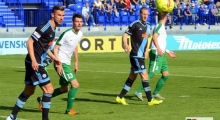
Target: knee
75	85
49	91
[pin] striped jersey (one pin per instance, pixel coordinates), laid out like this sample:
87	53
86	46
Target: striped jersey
43	37
68	41
162	36
139	33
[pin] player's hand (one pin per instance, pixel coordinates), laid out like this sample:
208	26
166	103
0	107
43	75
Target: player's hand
76	67
146	55
127	48
59	69
172	54
34	65
159	51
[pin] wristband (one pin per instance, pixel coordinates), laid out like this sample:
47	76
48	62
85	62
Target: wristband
167	51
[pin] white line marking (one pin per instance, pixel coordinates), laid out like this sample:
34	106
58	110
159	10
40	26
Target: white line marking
183	96
7	116
196	76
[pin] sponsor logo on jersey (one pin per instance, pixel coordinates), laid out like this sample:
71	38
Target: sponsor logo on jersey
37	34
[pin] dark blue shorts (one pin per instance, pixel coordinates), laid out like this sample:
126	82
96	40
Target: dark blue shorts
36	77
137	65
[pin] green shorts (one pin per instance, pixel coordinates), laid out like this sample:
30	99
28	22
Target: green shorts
157	63
67	76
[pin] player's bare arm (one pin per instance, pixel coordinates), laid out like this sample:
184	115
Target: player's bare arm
76	60
125	44
171	53
55	59
30	49
59	66
156	44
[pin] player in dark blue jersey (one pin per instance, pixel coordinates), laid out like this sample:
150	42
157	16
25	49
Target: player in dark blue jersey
139	32
38	48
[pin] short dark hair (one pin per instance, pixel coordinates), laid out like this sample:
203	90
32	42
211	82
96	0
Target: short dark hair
76	16
143	8
161	15
57	7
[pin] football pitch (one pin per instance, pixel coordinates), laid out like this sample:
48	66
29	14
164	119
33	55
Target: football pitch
192	89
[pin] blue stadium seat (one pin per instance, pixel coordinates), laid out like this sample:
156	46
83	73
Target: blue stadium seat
101	18
108	21
78	8
84	1
116	20
138	7
124	17
132	18
78	1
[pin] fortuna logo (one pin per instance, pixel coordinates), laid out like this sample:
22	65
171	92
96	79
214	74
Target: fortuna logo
187	44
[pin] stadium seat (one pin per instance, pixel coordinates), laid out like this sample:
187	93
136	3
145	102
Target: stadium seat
138	7
108	22
124	17
101	18
131	18
84	1
78	1
78	8
116	20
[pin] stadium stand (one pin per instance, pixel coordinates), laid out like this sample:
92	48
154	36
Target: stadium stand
13	13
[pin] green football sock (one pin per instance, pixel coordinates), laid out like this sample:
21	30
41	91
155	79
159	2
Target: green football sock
71	98
150	75
160	84
56	92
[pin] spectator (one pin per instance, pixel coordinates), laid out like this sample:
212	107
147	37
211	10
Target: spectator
152	4
188	15
218	4
121	5
68	2
194	14
214	11
176	3
94	13
179	13
201	13
87	14
128	6
135	2
99	5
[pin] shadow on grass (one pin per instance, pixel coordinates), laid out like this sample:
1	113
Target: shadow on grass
217	88
114	95
111	101
23	109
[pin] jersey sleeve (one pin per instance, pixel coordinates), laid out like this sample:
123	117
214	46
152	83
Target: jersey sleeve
61	39
158	28
39	31
130	29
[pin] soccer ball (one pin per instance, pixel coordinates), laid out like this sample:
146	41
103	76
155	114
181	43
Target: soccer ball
165	5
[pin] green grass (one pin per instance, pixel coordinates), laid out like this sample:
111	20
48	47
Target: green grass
192	89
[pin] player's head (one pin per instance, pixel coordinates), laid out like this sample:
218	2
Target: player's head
58	14
143	14
77	21
162	16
